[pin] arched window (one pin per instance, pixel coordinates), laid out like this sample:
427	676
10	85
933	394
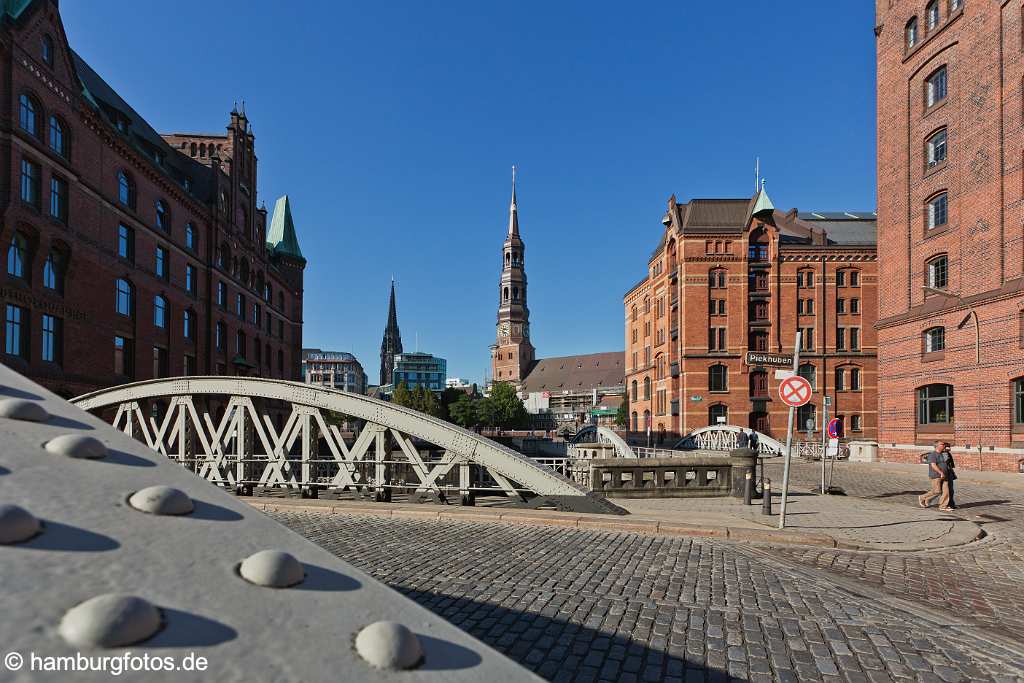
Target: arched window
718	378
58	137
191	239
188	324
192	149
854	379
53	272
935	147
716	279
809	373
160	311
910	33
163	216
634	394
515	294
954	5
46	50
931	15
935	86
647	388
935	404
1018	401
17	257
202	151
125	189
934	339
718	413
28	115
634	422
647	419
840	379
805	278
505	294
937	272
937	210
124	302
508	258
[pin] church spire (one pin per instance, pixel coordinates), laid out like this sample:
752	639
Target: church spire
392	342
513	215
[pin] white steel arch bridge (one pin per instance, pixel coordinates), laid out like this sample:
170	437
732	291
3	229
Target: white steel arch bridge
392	449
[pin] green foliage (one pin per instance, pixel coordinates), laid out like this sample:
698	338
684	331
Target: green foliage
487	413
509	412
401	396
463	411
622	415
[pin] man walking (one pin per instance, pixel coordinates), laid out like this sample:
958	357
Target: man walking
935	477
949	476
754	441
742	440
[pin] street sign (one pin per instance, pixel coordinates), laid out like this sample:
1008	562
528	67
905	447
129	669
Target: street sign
833	448
795	391
783	374
835	428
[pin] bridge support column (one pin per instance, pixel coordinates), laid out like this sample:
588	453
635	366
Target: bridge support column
466	496
742	463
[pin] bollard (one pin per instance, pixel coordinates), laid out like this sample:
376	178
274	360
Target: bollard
748	489
766	504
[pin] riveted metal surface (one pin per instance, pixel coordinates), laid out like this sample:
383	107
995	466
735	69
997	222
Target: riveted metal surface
93	544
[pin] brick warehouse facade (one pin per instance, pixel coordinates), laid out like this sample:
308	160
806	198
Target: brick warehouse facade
950	151
726	290
129	254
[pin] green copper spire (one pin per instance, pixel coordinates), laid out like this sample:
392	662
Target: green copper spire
14	8
762	203
281	236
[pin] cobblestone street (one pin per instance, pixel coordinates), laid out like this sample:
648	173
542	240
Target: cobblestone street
591	605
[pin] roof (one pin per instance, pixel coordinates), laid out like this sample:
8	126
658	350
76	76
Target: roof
281	237
139	134
845	227
715	213
577	373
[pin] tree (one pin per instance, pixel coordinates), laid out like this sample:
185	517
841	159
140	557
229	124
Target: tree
509	411
401	396
463	412
429	403
487	413
622	415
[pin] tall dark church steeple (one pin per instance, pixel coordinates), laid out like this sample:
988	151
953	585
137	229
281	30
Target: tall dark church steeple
392	342
512	355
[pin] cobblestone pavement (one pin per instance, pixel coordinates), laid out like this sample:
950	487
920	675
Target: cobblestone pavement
982	583
590	605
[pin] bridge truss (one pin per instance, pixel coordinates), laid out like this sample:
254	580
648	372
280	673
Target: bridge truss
224	429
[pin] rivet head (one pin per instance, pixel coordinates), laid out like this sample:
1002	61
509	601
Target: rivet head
77	446
389	645
111	620
273	568
21	409
17	524
161	500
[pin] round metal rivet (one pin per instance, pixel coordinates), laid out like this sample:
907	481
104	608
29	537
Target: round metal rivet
161	500
77	446
17	524
389	645
111	620
20	409
273	568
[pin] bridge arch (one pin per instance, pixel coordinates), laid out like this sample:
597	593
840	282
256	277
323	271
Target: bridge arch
595	434
722	437
243	448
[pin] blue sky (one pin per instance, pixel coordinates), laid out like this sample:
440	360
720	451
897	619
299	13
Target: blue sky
393	126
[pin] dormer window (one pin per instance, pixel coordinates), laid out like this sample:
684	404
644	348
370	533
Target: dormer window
46	50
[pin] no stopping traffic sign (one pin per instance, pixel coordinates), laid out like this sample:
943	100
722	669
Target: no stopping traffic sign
795	391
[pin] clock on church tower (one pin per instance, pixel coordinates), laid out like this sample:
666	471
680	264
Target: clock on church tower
513	355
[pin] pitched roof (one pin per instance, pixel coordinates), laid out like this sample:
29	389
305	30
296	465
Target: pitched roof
281	237
716	213
577	373
845	227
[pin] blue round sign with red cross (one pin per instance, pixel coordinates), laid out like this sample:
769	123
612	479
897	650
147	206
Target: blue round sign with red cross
835	428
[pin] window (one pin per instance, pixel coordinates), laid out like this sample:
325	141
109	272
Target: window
809	373
855	339
125	242
257	315
28	115
160	311
759	341
222	294
58	137
935	404
910	33
840	379
855	423
123	356
218	337
806	338
17	257
854	379
124	303
634	390
935	87
805	279
30	182
188	324
163	216
53	338
160	362
240	343
16	331
162	268
808	307
854	305
718	413
718	378
954	5
125	189
59	198
840	278
1018	401
46	50
240	305
716	279
189	366
841	339
53	272
190	237
931	14
934	339
716	339
935	148
759	383
807	417
190	278
938	273
938	210
840	305
647	388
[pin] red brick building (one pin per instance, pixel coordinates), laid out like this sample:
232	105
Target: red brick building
129	254
950	151
727	288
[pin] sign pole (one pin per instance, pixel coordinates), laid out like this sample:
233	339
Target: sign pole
789	439
824	440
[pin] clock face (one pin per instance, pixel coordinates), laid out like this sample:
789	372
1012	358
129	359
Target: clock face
503	329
